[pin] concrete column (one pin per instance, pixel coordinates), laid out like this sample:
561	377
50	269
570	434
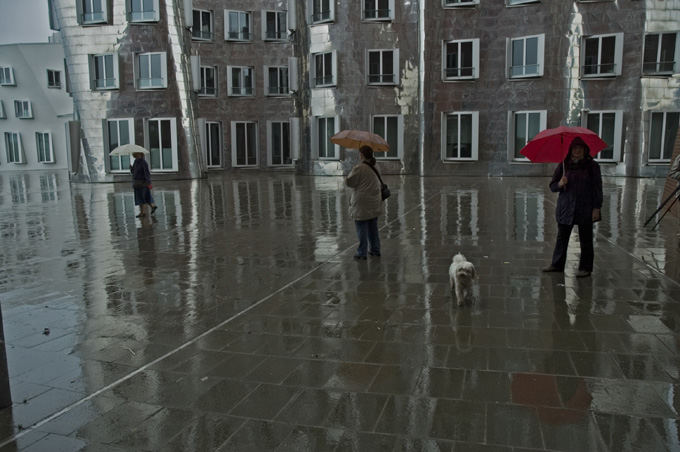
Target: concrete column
5	396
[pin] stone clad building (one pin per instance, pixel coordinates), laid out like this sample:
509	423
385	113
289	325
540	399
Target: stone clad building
457	87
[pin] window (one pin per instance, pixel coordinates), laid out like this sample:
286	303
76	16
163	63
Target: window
143	10
278	137
460	135
104	71
119	132
274	25
13	148
276	80
53	79
460	2
383	67
602	55
378	9
461	59
213	148
607	124
43	143
241	80
519	2
162	142
3	115
208	78
152	70
661	53
524	125
323	69
244	143
390	127
92	11
6	76
663	129
237	25
202	30
321	10
22	109
526	56
323	128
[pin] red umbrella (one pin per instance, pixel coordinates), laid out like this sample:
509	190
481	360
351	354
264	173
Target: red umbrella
552	145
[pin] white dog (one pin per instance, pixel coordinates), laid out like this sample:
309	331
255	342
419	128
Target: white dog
461	277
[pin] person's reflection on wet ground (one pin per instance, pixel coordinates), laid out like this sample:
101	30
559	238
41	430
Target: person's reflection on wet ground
146	243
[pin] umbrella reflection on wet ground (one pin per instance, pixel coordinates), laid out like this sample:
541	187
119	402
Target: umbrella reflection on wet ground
237	319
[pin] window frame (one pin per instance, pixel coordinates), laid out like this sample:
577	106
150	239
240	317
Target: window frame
93	65
388	18
282	34
129	13
56	81
40	135
203	92
618	131
107	144
383	156
234	150
475	60
80	12
197	27
227	23
474	133
660	160
267	78
163	67
230	79
333	74
10	154
618	55
395	67
312	15
540	56
26	109
676	56
543	118
315	137
208	143
7	70
270	144
173	144
459	3
511	3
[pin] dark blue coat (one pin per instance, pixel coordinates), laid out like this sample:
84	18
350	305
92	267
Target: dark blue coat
581	195
140	171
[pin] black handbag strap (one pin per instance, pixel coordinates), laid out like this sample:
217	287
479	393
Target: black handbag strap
376	173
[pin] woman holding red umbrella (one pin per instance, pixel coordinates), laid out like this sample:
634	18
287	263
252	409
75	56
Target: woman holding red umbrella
579	183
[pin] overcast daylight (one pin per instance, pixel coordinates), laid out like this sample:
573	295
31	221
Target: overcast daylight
23	21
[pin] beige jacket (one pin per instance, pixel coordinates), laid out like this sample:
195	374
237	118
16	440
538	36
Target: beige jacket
365	202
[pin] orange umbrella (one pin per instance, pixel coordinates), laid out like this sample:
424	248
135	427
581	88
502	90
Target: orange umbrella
354	139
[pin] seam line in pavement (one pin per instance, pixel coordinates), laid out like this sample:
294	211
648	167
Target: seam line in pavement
68	408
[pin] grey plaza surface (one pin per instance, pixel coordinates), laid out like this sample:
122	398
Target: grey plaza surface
236	319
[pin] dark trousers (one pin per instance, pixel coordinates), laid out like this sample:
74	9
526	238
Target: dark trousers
367	231
585	235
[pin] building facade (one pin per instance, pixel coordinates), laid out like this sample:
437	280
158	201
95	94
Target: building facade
455	86
34	107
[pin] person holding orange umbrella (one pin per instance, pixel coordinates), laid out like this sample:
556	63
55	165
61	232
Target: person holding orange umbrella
578	181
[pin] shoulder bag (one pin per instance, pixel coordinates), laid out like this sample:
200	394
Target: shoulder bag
384	189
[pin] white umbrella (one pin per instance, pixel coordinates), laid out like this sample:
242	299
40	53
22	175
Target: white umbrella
129	149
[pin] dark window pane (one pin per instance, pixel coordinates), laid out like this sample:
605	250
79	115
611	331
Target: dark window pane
656	130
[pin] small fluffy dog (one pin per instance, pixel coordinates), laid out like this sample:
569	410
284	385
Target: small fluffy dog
461	277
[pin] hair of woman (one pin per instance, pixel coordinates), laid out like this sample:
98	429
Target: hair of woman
367	152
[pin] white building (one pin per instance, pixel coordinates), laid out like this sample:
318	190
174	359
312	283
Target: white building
34	107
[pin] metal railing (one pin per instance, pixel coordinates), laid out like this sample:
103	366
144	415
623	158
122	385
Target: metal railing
242	90
463	71
380	78
105	83
321	15
376	14
323	80
201	34
239	35
599	69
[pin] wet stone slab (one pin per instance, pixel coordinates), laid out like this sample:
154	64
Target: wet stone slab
236	319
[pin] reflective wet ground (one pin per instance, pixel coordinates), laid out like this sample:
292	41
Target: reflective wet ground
237	319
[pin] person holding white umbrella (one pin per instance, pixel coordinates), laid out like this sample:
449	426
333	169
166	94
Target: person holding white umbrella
141	176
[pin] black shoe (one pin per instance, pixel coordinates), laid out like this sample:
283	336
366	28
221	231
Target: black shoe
358	257
153	209
582	274
552	269
374	254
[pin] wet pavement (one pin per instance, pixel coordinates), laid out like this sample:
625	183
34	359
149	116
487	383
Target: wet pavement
237	319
